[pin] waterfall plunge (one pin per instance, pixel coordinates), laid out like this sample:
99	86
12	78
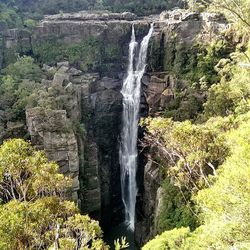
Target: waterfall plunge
131	102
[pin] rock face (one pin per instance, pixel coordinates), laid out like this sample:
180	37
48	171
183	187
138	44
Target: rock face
109	33
104	126
51	131
93	16
158	91
144	229
82	137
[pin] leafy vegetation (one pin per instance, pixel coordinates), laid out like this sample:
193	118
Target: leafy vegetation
9	16
17	86
141	7
34	9
85	55
223	206
33	212
208	157
175	210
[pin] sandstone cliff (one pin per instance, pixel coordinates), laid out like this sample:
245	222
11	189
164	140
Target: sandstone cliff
86	56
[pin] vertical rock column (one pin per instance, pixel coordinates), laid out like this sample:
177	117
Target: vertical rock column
51	131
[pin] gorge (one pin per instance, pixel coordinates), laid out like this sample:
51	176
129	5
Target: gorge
100	73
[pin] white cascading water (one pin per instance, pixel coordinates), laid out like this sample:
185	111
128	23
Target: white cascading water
131	92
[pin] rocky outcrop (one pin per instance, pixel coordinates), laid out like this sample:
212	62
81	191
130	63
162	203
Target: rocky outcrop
144	229
93	16
158	91
51	131
79	129
15	41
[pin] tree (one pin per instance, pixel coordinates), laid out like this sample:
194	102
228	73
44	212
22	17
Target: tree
173	240
231	94
26	174
237	11
24	68
34	213
18	84
9	16
224	206
192	151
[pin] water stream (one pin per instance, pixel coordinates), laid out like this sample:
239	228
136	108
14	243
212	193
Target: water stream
131	91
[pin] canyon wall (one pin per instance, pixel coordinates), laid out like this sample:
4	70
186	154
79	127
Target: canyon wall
85	56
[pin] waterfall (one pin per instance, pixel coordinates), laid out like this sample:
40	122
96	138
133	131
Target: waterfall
131	91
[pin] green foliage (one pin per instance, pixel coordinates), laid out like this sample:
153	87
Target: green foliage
55	98
224	205
198	5
175	210
141	7
26	225
197	65
9	16
24	68
187	104
17	87
34	213
83	230
30	23
79	129
207	58
172	240
198	61
26	174
86	55
237	12
231	94
193	159
121	244
112	52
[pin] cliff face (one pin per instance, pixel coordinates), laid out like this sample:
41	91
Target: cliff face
83	137
84	58
172	45
50	131
91	52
